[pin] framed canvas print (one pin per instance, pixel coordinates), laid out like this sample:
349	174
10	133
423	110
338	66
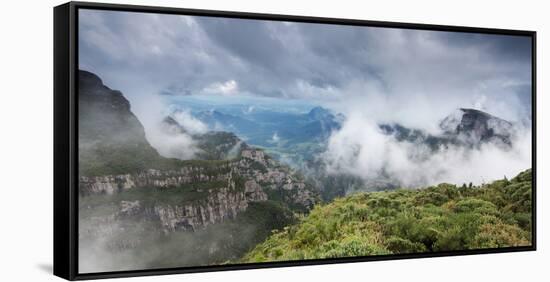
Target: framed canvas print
193	140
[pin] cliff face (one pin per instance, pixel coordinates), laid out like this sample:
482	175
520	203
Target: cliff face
110	137
228	189
473	127
124	224
123	179
151	178
218	206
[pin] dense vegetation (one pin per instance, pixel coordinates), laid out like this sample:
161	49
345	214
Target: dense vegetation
438	218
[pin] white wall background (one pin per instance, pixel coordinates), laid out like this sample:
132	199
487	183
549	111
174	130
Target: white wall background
26	111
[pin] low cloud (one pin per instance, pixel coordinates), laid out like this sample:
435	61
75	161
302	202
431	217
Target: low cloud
109	243
229	87
180	146
188	122
275	138
151	109
361	149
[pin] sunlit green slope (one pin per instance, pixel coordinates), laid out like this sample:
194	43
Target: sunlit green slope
440	218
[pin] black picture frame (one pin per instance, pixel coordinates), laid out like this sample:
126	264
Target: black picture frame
66	137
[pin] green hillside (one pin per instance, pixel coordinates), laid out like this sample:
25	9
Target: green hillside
439	218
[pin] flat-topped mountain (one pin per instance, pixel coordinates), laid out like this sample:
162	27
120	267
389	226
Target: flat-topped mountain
319	113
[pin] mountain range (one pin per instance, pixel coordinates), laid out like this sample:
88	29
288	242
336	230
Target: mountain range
260	127
287	136
298	138
253	173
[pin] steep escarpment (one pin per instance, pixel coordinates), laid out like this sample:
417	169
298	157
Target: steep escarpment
110	137
154	178
173	211
200	193
132	199
122	241
115	155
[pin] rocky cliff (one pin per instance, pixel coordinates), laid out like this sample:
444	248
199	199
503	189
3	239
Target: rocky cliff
122	176
219	205
204	193
472	126
110	137
464	127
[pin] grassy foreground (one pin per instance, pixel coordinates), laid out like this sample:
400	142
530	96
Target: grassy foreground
438	218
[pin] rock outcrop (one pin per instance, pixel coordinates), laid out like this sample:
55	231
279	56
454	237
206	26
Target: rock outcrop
219	206
257	171
151	178
473	127
464	127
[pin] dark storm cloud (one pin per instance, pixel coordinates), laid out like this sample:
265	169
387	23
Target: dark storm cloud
139	53
513	48
246	39
371	75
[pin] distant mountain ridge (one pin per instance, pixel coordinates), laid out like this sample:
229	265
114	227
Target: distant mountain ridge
319	113
464	127
288	136
478	126
468	129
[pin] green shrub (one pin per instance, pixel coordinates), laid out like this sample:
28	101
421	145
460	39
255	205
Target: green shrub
438	218
398	245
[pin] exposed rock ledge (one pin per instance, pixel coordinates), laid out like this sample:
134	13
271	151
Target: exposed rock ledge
234	185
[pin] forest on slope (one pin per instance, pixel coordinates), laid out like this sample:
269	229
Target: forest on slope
437	218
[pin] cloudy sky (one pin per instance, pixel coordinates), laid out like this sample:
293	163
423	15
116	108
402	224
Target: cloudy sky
186	55
369	74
